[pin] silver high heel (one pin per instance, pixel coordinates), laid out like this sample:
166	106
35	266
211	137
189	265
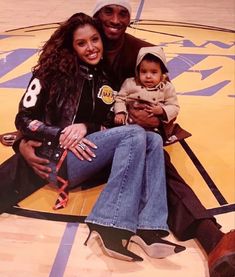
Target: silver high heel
154	246
111	239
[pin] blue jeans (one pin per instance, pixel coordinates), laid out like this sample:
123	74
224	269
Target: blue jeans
135	193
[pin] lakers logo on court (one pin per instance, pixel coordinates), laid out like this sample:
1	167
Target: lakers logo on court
201	65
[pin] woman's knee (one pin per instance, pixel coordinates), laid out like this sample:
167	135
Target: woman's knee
154	138
138	133
135	135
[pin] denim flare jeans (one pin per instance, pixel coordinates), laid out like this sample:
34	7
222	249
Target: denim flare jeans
135	194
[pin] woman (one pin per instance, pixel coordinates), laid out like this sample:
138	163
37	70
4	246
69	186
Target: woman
67	107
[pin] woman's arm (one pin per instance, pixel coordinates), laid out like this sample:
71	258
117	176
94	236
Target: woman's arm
29	122
29	119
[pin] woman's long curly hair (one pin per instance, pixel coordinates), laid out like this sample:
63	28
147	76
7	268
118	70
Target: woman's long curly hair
57	67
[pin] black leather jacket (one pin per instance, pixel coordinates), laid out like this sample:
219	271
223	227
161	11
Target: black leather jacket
47	129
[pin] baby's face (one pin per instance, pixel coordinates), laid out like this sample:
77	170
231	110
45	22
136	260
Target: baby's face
150	73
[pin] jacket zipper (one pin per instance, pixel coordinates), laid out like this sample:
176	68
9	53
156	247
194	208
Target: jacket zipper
78	102
93	94
90	77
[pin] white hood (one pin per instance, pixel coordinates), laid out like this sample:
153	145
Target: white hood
154	50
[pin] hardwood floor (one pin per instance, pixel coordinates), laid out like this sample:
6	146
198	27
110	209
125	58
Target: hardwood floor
32	12
32	247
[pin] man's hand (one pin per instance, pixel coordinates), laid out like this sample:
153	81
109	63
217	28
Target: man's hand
154	110
39	165
142	118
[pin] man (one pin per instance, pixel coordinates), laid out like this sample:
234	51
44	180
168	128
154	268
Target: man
187	217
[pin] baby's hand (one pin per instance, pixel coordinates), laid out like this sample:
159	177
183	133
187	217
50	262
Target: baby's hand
120	118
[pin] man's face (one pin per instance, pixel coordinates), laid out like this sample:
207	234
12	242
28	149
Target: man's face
114	20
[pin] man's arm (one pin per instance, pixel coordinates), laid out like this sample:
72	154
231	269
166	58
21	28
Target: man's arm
39	165
141	117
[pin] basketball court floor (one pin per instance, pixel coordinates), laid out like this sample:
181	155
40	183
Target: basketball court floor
199	41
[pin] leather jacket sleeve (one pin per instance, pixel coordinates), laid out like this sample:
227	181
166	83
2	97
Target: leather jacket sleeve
30	118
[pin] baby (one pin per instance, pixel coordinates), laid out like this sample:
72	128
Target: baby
150	89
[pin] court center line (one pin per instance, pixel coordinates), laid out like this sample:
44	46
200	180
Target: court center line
63	253
210	183
222	210
139	10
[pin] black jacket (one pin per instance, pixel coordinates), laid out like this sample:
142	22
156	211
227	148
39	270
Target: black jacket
17	179
33	106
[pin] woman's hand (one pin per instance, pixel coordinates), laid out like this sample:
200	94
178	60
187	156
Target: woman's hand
72	134
27	150
83	149
72	138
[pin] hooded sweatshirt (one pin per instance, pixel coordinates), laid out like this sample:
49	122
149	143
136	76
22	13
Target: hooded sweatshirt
163	94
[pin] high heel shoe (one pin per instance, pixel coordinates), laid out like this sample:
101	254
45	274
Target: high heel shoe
154	246
112	241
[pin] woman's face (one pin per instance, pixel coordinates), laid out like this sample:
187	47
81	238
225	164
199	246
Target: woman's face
88	44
